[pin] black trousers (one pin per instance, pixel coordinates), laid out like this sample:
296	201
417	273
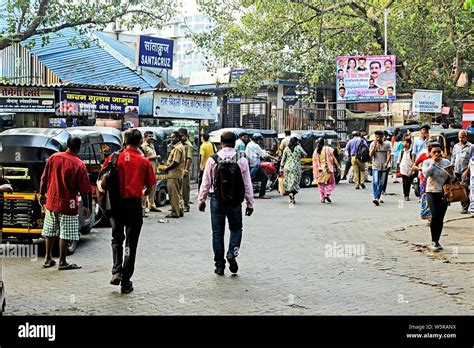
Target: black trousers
407	181
129	217
438	206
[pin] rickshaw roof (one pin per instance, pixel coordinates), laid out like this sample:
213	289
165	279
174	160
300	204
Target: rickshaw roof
215	136
51	138
300	134
109	134
162	132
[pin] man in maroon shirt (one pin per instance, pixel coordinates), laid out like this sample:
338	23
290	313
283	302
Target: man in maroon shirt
135	174
64	175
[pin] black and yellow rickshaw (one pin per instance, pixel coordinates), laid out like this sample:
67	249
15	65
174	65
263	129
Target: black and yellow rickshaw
308	140
446	137
23	154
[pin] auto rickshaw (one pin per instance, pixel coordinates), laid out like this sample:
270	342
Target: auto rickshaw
23	154
446	137
308	140
162	147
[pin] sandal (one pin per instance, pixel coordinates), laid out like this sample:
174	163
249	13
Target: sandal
68	266
170	216
48	264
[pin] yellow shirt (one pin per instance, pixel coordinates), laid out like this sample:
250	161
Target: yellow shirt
206	150
149	151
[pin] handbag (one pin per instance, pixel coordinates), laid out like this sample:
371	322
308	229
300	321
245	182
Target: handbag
281	185
108	187
455	192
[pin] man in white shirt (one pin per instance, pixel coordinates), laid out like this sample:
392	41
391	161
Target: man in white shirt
254	152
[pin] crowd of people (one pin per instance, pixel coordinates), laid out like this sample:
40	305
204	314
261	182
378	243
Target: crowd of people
227	177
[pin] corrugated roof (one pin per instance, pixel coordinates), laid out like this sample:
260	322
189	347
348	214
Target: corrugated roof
171	90
87	66
151	75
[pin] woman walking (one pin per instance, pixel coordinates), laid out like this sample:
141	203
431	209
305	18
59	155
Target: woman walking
324	163
405	164
291	167
425	212
438	171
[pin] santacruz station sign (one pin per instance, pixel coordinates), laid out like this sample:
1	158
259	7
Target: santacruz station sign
86	102
26	99
154	52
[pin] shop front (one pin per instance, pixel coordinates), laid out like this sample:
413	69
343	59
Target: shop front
25	105
96	105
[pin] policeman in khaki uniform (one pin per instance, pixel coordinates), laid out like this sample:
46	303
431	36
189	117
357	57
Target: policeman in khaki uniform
188	151
175	170
150	153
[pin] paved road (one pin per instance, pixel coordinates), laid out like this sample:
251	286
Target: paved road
290	264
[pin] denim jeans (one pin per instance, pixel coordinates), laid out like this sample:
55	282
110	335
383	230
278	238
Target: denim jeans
219	213
258	174
378	180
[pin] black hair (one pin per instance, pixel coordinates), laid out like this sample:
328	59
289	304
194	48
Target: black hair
242	134
362	58
147	133
287	132
390	87
183	131
408	140
228	138
205	136
134	137
385	133
349	61
293	143
433	145
388	60
320	142
74	143
372	79
342	87
379	132
340	70
177	134
376	62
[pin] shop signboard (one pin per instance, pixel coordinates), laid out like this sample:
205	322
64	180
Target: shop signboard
184	106
26	99
154	52
427	101
76	102
366	78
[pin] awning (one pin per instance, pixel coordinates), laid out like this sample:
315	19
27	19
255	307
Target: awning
363	115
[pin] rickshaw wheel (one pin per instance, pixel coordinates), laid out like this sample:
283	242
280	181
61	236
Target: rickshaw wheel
160	197
72	246
306	180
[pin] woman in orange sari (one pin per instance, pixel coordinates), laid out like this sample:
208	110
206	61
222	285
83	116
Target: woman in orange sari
324	165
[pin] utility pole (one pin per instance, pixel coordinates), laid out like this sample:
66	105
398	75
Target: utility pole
385	26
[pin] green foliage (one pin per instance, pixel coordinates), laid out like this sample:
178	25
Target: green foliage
271	39
25	18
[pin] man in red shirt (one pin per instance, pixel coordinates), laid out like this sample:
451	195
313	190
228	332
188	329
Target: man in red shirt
135	174
64	175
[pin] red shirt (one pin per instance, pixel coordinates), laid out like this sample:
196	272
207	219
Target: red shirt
66	175
135	173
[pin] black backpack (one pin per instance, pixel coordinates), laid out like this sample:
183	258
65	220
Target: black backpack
363	152
228	181
109	181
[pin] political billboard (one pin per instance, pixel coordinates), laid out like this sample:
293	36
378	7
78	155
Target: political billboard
366	78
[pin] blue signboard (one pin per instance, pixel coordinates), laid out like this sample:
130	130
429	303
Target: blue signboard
235	75
154	52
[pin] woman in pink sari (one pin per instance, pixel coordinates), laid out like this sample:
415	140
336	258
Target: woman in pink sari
324	165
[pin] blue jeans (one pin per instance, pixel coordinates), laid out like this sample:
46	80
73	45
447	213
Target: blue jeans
378	180
258	174
219	213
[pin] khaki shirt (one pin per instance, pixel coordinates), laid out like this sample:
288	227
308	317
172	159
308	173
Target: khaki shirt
176	155
188	150
149	151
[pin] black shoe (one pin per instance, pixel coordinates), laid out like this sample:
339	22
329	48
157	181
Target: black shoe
233	266
363	186
219	271
127	288
376	202
328	199
116	279
357	187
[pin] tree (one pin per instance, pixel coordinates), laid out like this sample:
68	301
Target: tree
433	40
22	19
